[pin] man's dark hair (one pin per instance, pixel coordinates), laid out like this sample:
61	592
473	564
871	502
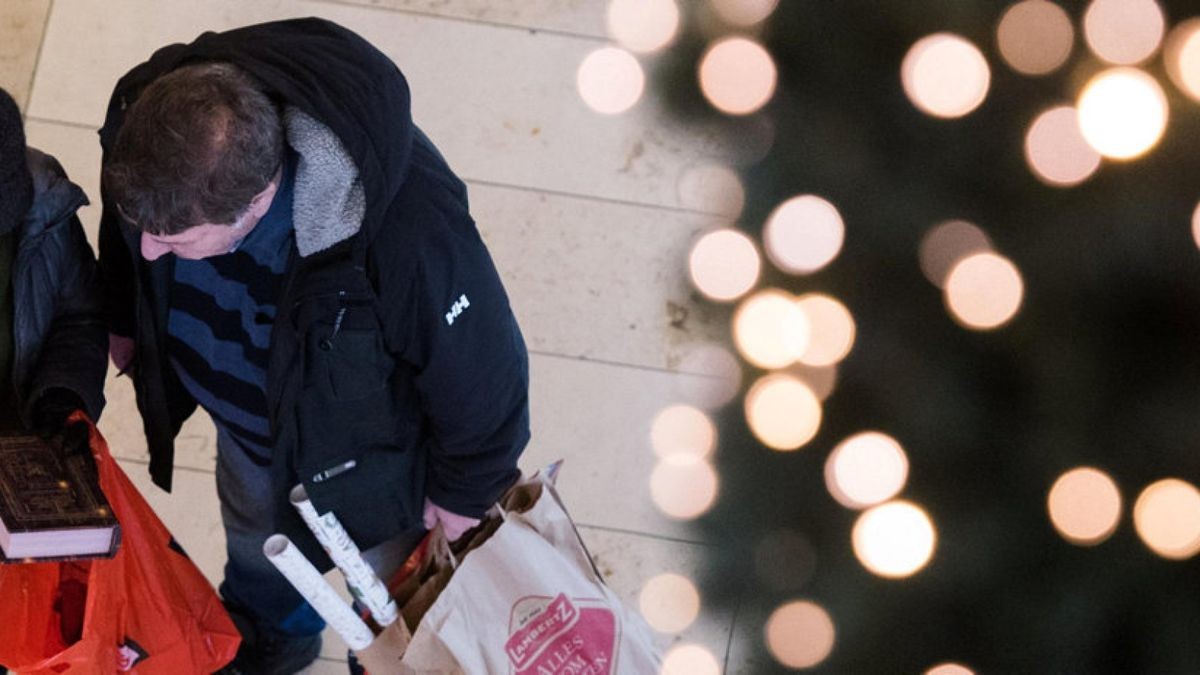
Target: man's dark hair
198	144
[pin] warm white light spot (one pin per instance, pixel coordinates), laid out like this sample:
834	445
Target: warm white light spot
643	25
1196	225
984	291
866	469
712	188
1182	57
821	379
1035	37
710	376
800	634
610	80
737	76
683	430
1084	506
770	330
1056	150
783	412
832	330
683	487
894	540
1123	31
803	234
1167	518
949	669
669	602
947	243
744	12
724	264
689	660
1122	113
944	75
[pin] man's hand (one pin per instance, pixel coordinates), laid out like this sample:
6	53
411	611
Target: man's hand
453	524
120	350
50	414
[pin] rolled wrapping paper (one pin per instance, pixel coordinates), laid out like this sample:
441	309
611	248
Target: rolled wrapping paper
313	588
364	584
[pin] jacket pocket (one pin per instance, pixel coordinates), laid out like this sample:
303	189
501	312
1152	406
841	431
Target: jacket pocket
376	493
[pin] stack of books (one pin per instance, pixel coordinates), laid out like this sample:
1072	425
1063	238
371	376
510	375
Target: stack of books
51	505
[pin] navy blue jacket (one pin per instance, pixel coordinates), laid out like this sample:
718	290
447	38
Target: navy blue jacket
394	347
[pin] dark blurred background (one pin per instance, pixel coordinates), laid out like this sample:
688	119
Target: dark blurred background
1098	368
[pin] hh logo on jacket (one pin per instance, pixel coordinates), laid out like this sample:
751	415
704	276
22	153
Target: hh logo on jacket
457	308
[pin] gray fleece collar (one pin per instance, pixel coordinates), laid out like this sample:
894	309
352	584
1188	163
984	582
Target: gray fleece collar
328	200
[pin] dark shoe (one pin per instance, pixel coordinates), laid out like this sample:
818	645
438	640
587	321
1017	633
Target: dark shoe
274	654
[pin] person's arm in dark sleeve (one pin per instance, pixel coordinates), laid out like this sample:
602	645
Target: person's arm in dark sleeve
472	368
74	356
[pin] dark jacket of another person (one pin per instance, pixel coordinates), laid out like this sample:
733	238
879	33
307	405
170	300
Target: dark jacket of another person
59	336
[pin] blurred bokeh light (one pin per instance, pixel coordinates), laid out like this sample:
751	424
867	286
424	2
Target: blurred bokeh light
724	264
744	12
1196	225
1085	506
1167	518
949	669
770	329
1056	150
1035	37
737	75
984	291
610	80
1122	113
782	411
894	540
683	430
866	469
800	634
832	330
803	234
710	376
945	75
689	659
643	25
1181	55
683	486
821	379
945	244
712	188
670	602
1123	32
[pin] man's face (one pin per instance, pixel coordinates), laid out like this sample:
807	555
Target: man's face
210	239
195	243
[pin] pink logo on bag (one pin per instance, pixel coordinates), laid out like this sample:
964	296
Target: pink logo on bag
560	637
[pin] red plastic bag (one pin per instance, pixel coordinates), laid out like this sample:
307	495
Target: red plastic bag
148	610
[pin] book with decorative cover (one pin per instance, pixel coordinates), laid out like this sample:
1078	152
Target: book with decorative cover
51	505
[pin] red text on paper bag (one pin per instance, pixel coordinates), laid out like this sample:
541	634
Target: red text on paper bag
555	636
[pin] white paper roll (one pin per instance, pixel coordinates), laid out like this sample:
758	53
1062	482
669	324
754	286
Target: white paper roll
364	584
313	587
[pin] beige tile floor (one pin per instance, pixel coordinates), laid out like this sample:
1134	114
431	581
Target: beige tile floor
589	218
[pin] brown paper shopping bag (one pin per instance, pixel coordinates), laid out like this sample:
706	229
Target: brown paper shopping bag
526	599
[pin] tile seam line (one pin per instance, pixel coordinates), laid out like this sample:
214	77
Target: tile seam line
737	608
586	526
630	366
462	19
490	183
37	60
646	535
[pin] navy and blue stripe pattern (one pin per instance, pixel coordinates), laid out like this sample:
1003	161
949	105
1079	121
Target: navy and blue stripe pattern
219	326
